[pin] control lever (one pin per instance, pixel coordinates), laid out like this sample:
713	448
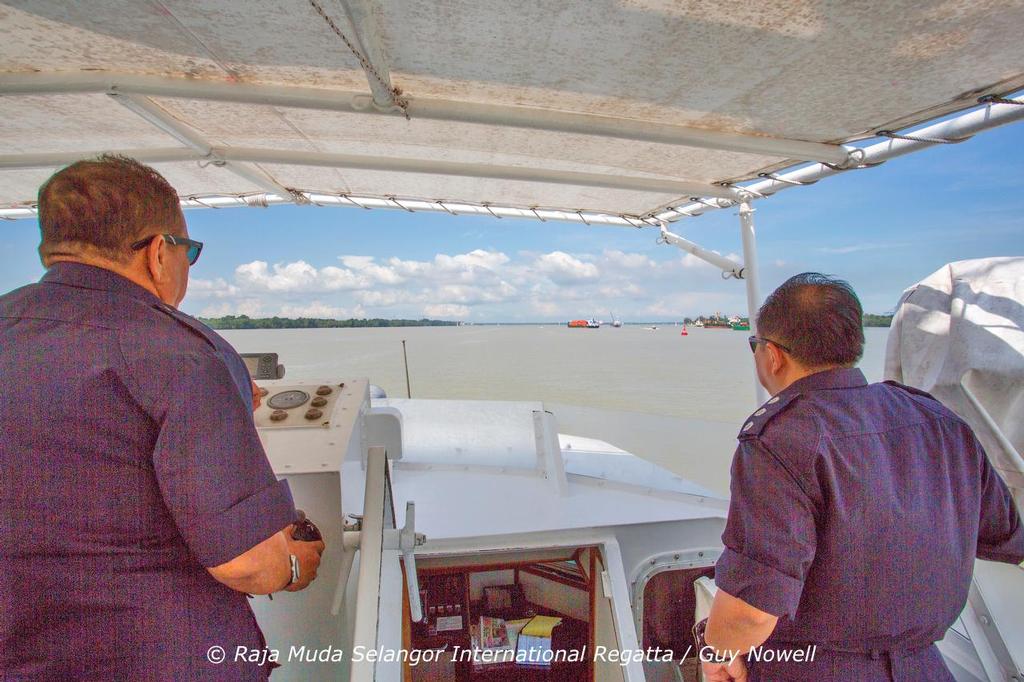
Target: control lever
405	540
408	540
305	530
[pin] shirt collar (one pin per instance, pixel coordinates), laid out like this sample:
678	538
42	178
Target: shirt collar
840	377
92	277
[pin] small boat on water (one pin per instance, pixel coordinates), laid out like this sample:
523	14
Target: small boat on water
717	323
684	332
741	325
584	324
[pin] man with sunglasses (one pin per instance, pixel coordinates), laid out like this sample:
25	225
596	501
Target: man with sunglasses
138	506
856	511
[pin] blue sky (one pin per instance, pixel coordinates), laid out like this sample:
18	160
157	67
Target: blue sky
882	229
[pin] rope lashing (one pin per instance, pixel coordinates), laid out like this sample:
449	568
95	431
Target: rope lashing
996	99
914	138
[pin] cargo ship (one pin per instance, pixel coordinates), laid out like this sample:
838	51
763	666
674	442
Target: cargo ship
585	324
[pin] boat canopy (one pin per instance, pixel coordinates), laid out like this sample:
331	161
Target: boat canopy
626	112
959	334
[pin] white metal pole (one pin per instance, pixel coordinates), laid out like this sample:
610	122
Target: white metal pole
718	260
371	550
958	128
520	116
233	155
750	276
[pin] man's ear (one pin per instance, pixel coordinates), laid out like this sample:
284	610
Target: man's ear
776	359
156	259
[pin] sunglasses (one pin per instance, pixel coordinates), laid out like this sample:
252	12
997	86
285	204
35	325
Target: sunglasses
754	340
194	248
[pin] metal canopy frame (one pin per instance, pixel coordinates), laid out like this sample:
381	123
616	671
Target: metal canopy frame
993	112
426	108
134	91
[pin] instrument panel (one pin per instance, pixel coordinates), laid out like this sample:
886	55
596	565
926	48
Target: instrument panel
298	406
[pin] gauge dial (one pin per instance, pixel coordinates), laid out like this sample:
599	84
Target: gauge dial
286	400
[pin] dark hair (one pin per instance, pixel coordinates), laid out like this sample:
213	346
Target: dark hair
818	317
105	203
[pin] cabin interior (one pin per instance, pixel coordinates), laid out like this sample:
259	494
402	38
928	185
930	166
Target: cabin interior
569	584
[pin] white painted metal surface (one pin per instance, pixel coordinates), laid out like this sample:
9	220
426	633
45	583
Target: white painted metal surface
297	445
727	265
371	548
752	280
958	128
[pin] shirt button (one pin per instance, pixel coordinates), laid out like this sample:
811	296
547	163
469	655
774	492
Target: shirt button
748	426
773	400
760	412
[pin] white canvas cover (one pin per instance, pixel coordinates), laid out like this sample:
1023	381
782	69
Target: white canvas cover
965	322
284	98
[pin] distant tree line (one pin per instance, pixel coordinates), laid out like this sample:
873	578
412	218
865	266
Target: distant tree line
870	320
877	320
246	322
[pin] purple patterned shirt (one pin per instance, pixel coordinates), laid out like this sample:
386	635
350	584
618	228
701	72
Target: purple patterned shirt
857	512
129	461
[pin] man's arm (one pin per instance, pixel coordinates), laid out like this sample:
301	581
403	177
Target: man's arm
1000	530
736	626
266	567
770	540
216	481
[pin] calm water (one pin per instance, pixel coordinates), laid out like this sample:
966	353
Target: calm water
686	396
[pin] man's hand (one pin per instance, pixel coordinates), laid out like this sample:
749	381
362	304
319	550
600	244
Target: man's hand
308	554
257	395
725	672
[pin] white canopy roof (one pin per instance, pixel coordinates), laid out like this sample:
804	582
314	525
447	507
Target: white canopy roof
614	107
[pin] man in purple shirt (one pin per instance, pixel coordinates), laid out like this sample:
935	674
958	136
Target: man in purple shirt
137	506
856	513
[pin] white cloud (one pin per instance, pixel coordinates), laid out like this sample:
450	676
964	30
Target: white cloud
478	284
301	277
389	297
854	248
564	268
630	261
252	307
546	308
321	310
624	289
478	258
211	288
365	265
676	306
446	311
256	275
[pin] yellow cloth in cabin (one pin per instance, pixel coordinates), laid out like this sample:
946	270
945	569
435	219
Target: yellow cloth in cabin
541	626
